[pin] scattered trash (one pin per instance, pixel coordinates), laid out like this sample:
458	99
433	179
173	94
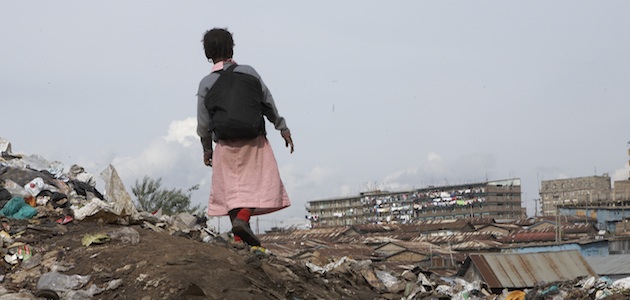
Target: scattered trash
33	262
24	252
59	282
516	295
47	294
17	208
390	281
35	186
65	220
258	250
126	235
39	199
326	268
99	238
621	284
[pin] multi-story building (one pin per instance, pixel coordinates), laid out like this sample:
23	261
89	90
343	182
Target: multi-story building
621	192
492	199
580	191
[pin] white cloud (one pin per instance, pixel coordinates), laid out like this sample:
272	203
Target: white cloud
183	132
437	171
158	157
434	157
294	178
172	157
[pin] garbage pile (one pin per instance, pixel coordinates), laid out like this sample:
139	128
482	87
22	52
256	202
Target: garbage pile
417	284
33	189
30	186
41	204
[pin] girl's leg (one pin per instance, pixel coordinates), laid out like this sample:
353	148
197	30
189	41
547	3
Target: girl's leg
240	227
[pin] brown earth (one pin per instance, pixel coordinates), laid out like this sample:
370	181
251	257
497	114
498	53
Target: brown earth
164	266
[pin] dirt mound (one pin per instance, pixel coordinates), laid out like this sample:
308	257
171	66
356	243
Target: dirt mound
158	265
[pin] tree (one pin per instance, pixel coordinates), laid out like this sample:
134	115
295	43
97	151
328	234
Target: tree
151	197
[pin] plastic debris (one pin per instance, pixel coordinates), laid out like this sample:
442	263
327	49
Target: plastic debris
59	282
35	186
390	281
515	295
16	208
258	250
99	238
126	235
327	268
65	220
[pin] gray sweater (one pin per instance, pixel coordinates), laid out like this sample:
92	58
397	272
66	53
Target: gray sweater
203	116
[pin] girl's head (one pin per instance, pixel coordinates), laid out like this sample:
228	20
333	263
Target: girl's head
218	44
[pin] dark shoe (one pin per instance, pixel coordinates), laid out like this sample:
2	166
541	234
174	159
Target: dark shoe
241	228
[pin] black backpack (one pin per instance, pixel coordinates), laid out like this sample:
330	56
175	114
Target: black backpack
235	104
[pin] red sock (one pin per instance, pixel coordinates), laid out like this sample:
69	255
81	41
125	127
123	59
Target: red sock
244	214
237	238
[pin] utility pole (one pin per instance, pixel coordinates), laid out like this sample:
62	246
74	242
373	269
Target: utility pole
623	210
557	223
588	204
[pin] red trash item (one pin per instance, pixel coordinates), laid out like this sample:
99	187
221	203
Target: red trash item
65	220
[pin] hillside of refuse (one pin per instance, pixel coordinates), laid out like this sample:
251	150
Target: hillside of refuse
61	238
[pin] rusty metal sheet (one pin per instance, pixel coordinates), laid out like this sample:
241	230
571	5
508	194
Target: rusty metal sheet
503	270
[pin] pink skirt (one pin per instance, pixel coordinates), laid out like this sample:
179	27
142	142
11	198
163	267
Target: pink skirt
245	174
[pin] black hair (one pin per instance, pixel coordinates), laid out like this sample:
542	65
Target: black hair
218	44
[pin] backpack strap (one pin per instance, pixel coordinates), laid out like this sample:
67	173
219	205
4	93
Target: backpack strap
231	68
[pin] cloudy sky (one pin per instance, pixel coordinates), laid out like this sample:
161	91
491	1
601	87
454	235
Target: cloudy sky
378	94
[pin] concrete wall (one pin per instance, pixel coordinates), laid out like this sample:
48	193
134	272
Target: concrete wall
594	190
622	190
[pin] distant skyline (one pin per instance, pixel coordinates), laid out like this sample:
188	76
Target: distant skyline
390	95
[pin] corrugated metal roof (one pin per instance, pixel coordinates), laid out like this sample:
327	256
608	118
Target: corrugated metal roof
421	247
433	225
481	221
370	228
548	233
356	252
568	228
476	245
566	219
528	237
372	238
420	226
458	237
610	265
501	270
323	233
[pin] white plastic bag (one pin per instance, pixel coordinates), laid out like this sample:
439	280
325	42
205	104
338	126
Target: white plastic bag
388	279
621	284
34	186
